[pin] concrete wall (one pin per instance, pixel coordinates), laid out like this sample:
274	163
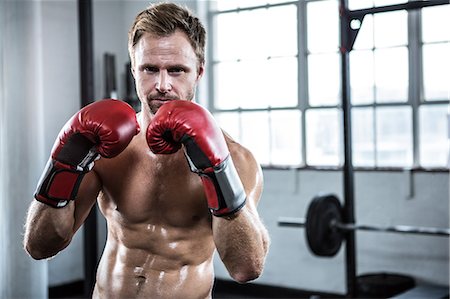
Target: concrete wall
39	91
61	88
381	198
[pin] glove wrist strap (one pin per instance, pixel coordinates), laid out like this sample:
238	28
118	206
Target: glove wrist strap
59	184
224	189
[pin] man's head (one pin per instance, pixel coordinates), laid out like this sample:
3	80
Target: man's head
164	19
167	50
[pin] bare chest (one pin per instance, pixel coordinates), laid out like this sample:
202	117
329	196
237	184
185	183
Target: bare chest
140	187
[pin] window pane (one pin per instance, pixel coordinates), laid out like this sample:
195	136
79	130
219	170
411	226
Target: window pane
279	32
286	137
255	134
227	4
391	29
279	83
324	79
433	136
229	122
363	137
323	137
436	23
264	26
233	4
388	2
360	4
391	75
228	85
226	26
394	136
256	83
436	71
323	26
361	77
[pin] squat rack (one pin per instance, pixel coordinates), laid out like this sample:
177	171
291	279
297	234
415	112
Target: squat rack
87	92
347	39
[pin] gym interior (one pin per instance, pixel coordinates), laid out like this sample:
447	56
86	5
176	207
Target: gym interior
340	98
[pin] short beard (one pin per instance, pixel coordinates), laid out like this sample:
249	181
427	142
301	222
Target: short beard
155	105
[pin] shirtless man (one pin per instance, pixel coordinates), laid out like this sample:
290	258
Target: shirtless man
163	178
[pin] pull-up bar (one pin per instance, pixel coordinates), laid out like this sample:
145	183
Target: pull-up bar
358	15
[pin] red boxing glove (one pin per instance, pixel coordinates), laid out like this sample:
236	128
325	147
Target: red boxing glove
182	122
103	128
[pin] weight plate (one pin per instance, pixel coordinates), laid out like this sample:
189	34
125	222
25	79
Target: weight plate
324	239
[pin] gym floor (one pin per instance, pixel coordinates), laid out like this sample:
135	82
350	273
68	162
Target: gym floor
223	289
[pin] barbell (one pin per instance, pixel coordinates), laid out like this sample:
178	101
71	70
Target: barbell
325	229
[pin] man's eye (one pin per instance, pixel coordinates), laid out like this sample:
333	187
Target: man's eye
176	70
150	69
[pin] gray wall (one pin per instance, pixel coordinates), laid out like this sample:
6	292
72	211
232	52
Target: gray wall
382	198
39	90
39	84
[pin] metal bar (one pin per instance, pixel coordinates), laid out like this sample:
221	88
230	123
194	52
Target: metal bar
292	221
302	68
86	51
348	208
407	6
415	71
240	9
87	95
402	229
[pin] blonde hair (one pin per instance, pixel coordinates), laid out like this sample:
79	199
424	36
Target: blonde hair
163	19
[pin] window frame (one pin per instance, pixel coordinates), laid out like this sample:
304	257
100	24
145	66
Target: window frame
415	97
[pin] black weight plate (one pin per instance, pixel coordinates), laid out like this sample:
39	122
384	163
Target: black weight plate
322	238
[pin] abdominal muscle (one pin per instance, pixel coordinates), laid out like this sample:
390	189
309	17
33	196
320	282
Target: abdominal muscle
160	242
179	269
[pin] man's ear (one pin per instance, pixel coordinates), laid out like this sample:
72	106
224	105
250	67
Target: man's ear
201	71
132	70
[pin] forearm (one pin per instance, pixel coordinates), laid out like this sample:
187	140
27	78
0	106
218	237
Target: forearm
242	242
48	230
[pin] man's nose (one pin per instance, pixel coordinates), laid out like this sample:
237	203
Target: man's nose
163	83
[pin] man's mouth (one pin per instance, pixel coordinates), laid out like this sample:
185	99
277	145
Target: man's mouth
156	103
161	100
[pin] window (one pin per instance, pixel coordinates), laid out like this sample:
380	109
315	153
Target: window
276	82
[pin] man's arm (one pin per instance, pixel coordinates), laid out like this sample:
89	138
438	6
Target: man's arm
49	230
241	240
68	187
232	189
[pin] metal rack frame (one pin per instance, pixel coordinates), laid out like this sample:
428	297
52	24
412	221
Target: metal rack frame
347	40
